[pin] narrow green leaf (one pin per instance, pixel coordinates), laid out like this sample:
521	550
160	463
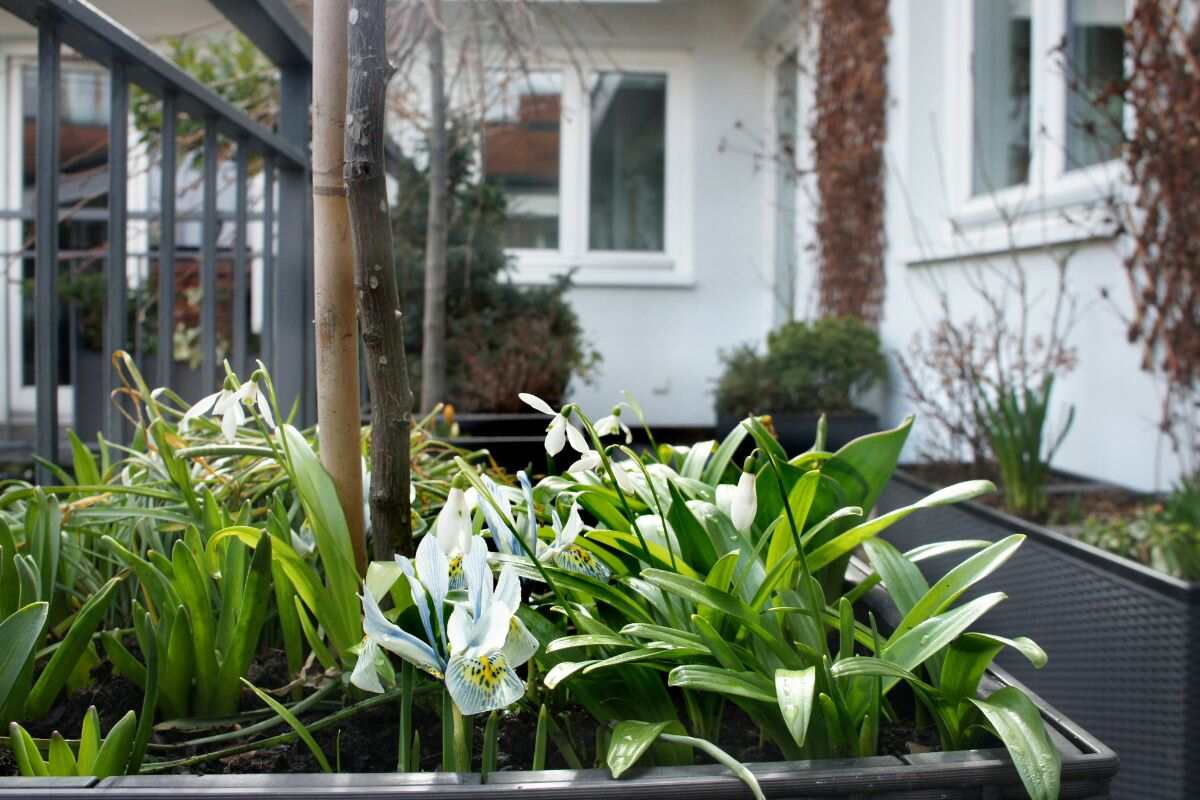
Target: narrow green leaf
20	633
62	760
114	752
794	690
539	738
962	577
750	685
69	651
89	741
29	761
1019	725
721	757
630	740
295	724
845	542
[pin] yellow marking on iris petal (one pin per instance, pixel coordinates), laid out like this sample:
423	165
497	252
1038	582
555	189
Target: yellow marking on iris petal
485	672
584	562
458	580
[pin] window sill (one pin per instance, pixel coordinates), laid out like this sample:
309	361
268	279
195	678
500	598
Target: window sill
616	269
1073	208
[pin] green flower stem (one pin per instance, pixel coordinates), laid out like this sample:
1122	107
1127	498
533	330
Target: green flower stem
657	503
404	746
606	462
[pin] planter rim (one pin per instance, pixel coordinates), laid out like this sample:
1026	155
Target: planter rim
1120	566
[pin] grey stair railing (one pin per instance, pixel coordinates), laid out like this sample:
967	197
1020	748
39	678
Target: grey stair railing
287	330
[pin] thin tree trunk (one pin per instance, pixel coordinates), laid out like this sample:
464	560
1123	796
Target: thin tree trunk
375	280
338	414
433	343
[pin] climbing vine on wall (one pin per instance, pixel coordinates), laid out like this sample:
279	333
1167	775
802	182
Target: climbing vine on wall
848	134
1162	155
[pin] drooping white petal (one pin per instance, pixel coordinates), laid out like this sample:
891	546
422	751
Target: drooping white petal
586	462
611	426
264	407
483	683
396	639
365	676
200	408
724	498
521	645
508	589
575	436
537	404
556	435
471	497
744	503
231	418
624	479
454	524
572	529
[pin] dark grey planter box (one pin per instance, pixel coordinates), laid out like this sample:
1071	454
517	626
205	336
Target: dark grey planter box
1088	768
1123	639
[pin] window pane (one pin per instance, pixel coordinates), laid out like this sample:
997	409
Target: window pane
521	133
628	124
1001	71
1095	108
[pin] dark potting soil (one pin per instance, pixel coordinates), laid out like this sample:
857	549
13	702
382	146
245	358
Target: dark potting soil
112	695
1070	499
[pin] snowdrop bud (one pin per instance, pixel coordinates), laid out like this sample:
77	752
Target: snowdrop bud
744	503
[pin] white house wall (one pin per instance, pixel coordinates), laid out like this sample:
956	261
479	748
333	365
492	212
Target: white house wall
1116	404
660	338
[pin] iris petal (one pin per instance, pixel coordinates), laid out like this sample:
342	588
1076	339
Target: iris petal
396	639
483	683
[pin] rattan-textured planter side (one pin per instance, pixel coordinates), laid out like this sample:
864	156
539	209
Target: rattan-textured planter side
1119	635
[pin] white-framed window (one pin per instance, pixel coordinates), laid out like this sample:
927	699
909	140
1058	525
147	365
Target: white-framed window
595	164
1031	125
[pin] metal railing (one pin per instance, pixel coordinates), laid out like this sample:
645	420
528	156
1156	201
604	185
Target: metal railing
286	341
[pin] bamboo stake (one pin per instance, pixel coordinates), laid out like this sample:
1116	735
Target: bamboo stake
375	280
338	413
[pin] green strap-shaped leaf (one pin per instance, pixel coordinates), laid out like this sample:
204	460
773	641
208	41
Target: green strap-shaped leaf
89	741
630	740
20	633
62	760
114	752
69	651
299	727
958	580
29	761
1017	722
914	647
795	690
750	685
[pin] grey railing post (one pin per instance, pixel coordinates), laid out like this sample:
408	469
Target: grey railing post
166	244
46	306
116	317
268	262
291	297
208	259
238	308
